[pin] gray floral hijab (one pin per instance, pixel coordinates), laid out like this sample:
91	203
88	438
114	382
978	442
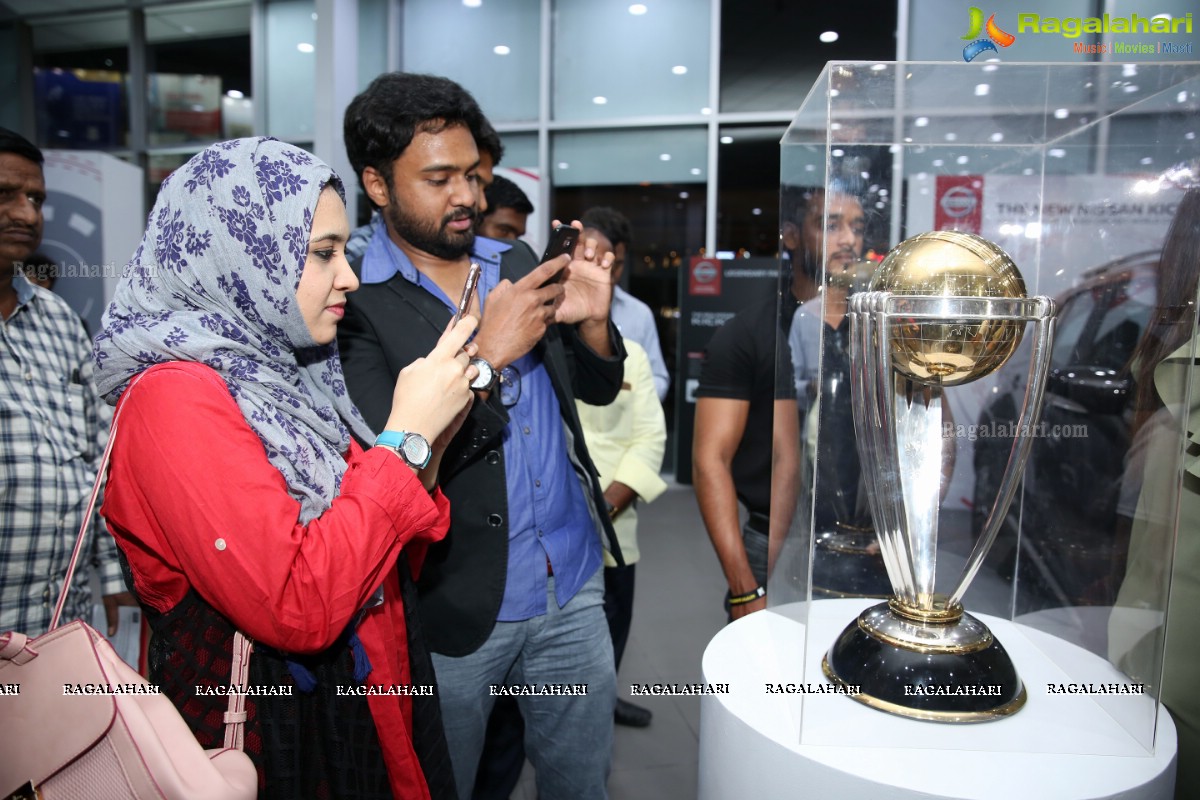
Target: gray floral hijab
214	281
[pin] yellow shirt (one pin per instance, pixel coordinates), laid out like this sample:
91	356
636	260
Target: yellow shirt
626	440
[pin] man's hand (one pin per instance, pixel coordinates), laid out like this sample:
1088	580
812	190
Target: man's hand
619	496
518	314
112	602
588	286
741	610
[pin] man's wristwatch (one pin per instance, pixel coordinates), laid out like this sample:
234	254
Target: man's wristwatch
488	375
413	447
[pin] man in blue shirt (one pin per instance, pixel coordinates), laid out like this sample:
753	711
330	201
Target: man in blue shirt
512	601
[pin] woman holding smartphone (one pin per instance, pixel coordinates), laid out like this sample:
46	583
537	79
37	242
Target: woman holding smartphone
240	497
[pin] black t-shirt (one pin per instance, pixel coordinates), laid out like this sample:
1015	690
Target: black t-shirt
749	359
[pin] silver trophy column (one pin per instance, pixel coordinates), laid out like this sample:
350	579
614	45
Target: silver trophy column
945	309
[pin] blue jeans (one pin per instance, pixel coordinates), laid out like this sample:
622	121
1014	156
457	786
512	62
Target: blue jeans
568	738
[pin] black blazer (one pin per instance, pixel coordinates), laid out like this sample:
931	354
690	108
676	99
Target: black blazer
388	326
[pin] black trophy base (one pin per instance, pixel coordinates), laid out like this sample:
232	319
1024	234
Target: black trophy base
849	565
967	676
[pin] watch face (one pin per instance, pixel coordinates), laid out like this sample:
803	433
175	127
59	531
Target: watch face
416	450
487	375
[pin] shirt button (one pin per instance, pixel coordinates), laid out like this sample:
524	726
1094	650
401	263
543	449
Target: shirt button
537	482
220	544
492	457
526	430
495	520
29	377
539	533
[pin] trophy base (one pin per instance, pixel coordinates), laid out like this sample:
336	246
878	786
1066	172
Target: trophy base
849	564
945	668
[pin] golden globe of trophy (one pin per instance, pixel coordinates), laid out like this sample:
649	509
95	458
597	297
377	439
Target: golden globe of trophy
944	308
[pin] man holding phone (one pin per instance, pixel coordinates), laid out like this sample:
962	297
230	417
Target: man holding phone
514	595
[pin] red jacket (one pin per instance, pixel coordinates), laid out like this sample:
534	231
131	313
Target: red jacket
194	503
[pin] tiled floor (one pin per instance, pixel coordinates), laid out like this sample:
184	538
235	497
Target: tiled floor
677	609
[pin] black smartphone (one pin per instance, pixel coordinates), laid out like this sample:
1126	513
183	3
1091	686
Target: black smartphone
562	241
464	302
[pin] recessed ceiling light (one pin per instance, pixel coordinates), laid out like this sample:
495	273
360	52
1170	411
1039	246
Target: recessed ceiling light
501	50
951	137
472	3
834	92
599	100
756	212
1027	171
981	89
664	156
305	47
937	162
1056	152
921	122
726	140
837	152
879	67
990	67
997	137
962	159
695	170
637	9
706	111
235	94
1182	96
828	37
1061	113
1147	161
679	70
563	165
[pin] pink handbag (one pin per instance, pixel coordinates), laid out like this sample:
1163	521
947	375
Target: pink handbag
65	743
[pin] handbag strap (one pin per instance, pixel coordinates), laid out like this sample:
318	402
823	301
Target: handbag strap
235	713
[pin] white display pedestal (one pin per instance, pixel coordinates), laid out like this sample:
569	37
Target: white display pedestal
750	740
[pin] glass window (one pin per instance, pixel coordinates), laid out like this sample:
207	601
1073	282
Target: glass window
520	150
372	40
193	97
291	66
491	48
653	63
80	65
642	155
772	52
748	190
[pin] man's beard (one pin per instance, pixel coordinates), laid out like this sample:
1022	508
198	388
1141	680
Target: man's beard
437	240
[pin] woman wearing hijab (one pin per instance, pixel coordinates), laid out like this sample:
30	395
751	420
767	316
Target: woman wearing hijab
238	492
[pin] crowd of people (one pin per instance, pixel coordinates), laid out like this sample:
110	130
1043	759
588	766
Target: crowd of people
323	451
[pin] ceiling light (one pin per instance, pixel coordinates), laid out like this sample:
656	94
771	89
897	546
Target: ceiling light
472	3
990	67
695	170
837	152
599	100
305	47
1061	113
1147	161
937	162
1056	152
1129	88
664	157
921	122
726	140
828	37
951	137
981	89
683	195
706	111
637	9
878	67
235	94
756	212
1182	96
962	159
501	50
679	70
563	165
997	137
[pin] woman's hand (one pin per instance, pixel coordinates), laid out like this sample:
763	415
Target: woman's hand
433	393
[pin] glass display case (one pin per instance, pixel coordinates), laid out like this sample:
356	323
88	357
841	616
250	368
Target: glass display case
1084	178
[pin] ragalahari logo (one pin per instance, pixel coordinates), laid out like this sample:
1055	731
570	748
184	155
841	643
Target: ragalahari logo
995	36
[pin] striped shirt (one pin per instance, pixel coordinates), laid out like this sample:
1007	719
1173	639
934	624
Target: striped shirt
53	427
